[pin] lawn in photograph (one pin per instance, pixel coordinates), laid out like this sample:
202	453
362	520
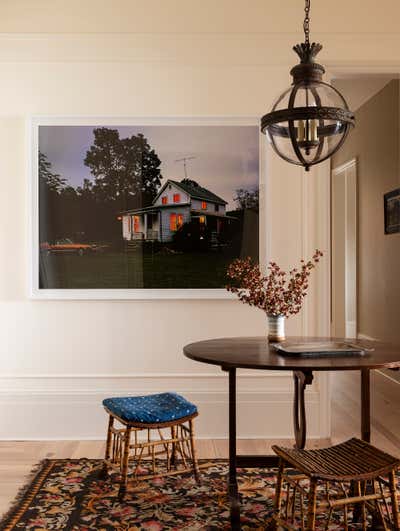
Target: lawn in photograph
145	207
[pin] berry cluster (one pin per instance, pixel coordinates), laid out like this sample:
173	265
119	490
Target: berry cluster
276	293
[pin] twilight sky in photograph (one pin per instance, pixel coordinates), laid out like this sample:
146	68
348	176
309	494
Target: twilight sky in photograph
227	157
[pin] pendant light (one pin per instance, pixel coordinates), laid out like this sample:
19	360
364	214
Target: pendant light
310	120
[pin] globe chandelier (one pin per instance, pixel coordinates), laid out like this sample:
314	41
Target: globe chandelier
310	120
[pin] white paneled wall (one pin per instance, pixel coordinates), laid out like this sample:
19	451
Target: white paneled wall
59	359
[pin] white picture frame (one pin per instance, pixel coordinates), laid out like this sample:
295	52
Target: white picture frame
35	292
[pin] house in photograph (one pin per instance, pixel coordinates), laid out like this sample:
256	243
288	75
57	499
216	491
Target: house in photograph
176	203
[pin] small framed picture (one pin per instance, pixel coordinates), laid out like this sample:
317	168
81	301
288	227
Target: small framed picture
392	211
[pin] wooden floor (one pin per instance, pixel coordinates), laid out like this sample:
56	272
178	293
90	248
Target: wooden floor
17	458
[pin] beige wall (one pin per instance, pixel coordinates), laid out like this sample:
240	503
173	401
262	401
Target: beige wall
159	58
191	16
375	144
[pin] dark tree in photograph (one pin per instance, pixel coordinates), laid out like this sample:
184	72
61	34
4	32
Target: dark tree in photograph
48	179
50	187
126	170
246	234
126	174
247	199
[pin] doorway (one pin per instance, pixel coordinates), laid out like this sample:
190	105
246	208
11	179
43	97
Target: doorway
344	250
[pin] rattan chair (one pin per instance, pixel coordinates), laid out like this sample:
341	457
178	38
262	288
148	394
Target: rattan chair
152	426
353	473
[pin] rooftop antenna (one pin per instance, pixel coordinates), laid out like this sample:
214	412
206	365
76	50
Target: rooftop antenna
184	160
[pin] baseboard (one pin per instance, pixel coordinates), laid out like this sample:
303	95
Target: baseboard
360	335
392	377
69	407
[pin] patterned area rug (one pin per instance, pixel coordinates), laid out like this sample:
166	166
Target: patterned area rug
67	494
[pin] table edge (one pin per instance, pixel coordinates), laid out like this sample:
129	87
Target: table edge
229	365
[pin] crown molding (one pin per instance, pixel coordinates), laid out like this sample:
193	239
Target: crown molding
190	49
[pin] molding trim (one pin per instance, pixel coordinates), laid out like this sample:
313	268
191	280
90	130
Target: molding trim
92	384
364	336
345	166
69	407
230	49
127	376
385	374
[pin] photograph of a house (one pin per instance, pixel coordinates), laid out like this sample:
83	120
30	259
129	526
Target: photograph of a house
160	206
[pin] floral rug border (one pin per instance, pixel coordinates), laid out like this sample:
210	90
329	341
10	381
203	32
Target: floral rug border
26	494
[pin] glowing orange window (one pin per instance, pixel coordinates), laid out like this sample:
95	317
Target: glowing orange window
177	198
173	222
164	200
202	220
203	205
179	221
136	223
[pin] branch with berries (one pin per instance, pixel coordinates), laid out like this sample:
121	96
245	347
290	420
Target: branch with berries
276	293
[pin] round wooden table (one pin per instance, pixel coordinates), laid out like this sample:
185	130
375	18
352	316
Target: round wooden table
256	353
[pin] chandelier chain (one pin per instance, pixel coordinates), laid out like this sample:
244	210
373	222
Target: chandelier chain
306	24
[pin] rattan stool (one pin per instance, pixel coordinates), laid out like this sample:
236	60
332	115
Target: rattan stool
352	473
167	422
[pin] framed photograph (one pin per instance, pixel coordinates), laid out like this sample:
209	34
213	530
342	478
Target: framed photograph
392	211
142	208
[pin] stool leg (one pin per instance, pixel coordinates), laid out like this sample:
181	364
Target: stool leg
124	469
312	505
193	451
278	495
360	486
395	503
104	471
173	450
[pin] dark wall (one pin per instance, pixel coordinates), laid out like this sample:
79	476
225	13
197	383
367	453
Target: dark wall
375	144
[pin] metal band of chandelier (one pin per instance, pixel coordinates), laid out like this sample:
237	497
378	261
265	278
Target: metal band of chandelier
310	120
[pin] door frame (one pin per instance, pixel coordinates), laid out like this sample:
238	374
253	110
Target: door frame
351	278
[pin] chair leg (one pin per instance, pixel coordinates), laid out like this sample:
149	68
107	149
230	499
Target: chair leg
312	505
395	503
193	452
104	470
278	496
124	467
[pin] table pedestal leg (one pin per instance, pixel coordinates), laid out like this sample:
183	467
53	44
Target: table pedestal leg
365	405
301	380
233	490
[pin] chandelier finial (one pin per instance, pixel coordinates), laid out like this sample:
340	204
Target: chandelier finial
307	52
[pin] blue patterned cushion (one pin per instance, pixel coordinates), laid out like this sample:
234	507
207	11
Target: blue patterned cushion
164	407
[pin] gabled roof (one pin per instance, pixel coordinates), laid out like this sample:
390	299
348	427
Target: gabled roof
198	192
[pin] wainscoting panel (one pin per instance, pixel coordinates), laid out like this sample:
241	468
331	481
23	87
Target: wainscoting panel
69	406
